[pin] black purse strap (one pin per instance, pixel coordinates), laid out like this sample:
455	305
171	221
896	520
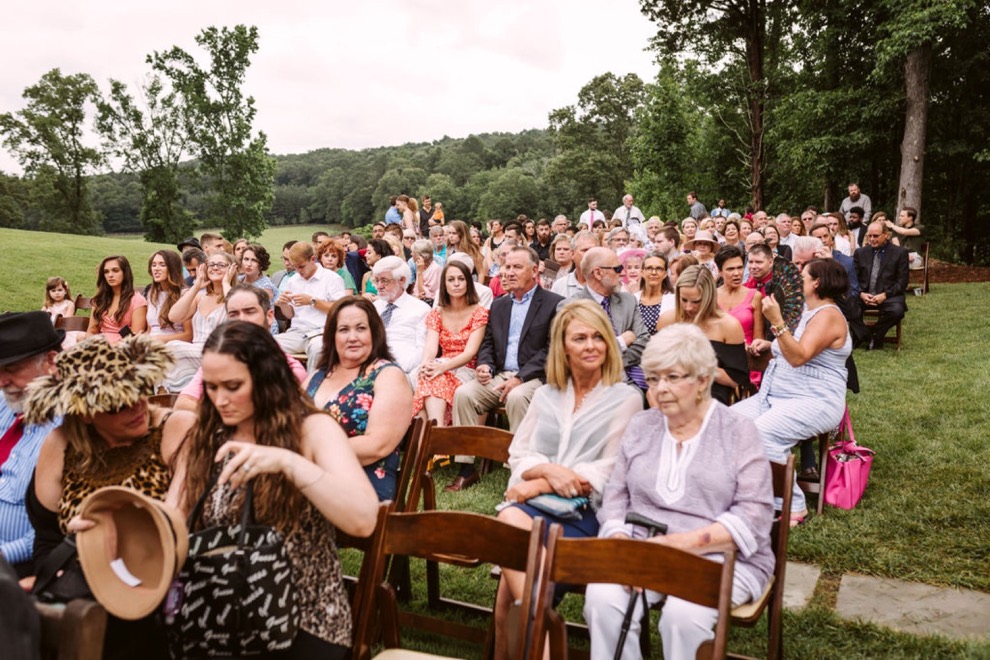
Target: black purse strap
56	561
247	512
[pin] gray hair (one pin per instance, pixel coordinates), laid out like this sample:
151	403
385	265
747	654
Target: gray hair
806	245
436	230
681	345
394	266
424	248
583	235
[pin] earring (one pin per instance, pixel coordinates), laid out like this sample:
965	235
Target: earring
700	396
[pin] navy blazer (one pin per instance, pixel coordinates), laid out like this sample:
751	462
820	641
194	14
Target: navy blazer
535	339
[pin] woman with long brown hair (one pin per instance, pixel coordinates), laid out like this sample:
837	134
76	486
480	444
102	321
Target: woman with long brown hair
167	283
257	425
118	310
459	240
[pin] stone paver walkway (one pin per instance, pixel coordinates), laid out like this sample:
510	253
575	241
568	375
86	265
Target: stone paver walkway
910	607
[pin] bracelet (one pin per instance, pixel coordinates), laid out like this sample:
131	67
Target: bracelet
778	330
313	482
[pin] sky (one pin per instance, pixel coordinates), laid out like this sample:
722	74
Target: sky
350	74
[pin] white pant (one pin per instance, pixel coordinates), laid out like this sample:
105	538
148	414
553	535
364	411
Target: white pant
684	626
294	341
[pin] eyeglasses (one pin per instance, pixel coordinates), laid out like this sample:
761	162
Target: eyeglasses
383	281
671	379
617	269
654	269
217	265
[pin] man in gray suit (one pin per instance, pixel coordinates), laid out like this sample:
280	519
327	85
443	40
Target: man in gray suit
601	270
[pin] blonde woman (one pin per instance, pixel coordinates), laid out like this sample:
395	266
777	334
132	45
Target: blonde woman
696	302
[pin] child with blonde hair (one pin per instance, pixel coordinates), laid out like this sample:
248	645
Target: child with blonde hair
58	299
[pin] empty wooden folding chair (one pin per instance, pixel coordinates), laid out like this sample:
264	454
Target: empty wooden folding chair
73	631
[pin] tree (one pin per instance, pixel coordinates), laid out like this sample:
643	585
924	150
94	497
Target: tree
237	171
151	143
913	27
47	139
740	50
511	193
592	140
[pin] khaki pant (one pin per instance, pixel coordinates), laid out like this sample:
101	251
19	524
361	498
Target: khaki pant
473	398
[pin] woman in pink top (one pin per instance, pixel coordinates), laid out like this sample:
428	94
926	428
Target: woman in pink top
742	303
118	310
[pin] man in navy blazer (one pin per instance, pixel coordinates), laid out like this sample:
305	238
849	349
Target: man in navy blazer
885	292
513	354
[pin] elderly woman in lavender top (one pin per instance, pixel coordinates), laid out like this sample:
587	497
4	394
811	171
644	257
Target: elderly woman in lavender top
694	465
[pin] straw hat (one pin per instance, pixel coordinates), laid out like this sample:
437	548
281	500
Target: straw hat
134	551
702	236
95	376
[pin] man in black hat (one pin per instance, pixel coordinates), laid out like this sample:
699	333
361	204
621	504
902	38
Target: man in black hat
28	345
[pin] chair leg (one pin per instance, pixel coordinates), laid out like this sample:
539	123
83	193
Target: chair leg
822	470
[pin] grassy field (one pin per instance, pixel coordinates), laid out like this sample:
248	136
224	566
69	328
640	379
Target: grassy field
925	516
29	258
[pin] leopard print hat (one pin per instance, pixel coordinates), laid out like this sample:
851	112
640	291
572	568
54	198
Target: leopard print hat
96	377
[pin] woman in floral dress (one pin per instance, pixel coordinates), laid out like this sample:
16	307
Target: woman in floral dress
456	328
357	382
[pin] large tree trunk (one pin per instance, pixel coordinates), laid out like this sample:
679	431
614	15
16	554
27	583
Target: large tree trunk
917	67
757	94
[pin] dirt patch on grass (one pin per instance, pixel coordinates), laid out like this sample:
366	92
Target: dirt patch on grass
942	272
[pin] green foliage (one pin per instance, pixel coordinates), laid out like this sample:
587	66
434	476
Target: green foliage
511	193
151	143
46	137
234	163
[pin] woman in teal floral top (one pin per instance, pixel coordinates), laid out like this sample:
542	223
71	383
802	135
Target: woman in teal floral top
358	384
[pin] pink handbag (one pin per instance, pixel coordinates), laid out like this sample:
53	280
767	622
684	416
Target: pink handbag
848	468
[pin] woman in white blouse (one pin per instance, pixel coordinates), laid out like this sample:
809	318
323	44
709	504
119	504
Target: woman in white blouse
567	443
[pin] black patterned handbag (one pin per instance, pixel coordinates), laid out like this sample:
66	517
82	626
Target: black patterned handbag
234	596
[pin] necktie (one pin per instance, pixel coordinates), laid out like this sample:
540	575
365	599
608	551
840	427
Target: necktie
875	271
387	314
607	306
11	438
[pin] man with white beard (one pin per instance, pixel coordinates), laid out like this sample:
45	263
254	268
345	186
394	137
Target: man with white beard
28	346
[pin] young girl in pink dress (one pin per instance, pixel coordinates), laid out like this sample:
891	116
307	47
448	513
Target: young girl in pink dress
58	300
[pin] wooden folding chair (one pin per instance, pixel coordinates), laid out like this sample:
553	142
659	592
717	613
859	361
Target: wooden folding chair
480	441
635	563
922	272
772	599
72	323
445	536
82	302
163	400
870	318
73	631
817	487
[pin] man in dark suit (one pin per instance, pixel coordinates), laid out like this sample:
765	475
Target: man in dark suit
882	270
601	270
513	354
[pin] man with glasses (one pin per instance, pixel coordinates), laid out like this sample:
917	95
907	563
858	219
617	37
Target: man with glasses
602	274
305	301
882	270
403	315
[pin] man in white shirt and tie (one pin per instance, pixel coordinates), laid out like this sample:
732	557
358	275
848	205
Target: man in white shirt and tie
404	316
588	217
629	214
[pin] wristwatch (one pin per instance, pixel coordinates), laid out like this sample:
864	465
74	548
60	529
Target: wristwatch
312	301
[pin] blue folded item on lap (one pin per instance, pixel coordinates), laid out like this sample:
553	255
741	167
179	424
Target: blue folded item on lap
564	508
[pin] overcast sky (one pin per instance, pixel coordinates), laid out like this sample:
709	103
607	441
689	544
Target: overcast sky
350	74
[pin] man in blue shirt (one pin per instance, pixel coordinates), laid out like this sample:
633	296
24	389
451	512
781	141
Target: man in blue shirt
513	354
392	215
28	345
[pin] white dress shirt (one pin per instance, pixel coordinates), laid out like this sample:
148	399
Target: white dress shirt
406	330
323	285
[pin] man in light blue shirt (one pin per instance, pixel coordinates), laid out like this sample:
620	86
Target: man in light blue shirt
392	215
28	346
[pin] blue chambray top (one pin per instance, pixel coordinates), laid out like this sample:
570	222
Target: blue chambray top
16	532
516	320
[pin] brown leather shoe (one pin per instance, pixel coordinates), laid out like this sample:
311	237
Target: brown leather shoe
809	474
460	483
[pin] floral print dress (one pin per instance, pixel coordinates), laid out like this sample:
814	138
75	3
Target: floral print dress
350	408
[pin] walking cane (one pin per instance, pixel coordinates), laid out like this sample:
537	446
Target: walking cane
652	529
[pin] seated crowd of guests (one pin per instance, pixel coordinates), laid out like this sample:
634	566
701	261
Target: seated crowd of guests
601	347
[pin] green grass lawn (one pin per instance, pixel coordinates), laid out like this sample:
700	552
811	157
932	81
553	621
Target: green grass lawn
926	513
29	258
